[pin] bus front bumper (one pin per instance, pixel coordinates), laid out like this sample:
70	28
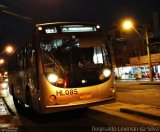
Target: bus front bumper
76	105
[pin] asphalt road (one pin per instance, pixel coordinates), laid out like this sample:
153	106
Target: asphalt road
136	92
98	118
77	120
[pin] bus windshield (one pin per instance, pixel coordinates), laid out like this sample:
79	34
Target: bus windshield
68	56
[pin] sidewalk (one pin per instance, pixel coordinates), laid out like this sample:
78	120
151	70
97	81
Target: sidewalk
3	108
147	111
8	100
143	81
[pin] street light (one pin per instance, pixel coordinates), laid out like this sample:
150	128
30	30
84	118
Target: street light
127	24
8	49
1	61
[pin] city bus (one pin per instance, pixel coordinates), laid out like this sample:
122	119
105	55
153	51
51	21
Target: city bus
62	66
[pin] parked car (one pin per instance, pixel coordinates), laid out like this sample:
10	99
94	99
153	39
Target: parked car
4	90
4	83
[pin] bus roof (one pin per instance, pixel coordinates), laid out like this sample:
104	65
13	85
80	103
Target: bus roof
63	23
67	27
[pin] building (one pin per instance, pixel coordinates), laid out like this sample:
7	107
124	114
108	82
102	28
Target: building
129	50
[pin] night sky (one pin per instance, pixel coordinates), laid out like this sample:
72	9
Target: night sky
105	12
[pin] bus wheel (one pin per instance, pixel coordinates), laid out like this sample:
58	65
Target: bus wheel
28	96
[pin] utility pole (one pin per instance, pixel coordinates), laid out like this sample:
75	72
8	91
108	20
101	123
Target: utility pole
148	53
127	25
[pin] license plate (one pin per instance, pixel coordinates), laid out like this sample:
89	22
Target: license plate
85	96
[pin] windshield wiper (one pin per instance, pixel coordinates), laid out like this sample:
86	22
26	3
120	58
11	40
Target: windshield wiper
54	61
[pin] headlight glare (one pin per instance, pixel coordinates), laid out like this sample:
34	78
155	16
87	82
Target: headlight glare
52	78
106	72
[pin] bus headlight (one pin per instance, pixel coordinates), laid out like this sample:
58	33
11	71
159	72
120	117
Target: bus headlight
52	78
56	80
106	72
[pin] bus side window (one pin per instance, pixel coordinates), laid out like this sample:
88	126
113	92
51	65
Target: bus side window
33	58
17	62
21	60
28	55
20	63
25	58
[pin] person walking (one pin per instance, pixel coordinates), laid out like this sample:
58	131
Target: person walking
154	75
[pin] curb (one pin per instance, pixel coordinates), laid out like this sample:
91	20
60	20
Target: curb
149	83
7	116
140	113
9	109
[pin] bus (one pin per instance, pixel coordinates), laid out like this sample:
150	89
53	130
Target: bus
62	66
